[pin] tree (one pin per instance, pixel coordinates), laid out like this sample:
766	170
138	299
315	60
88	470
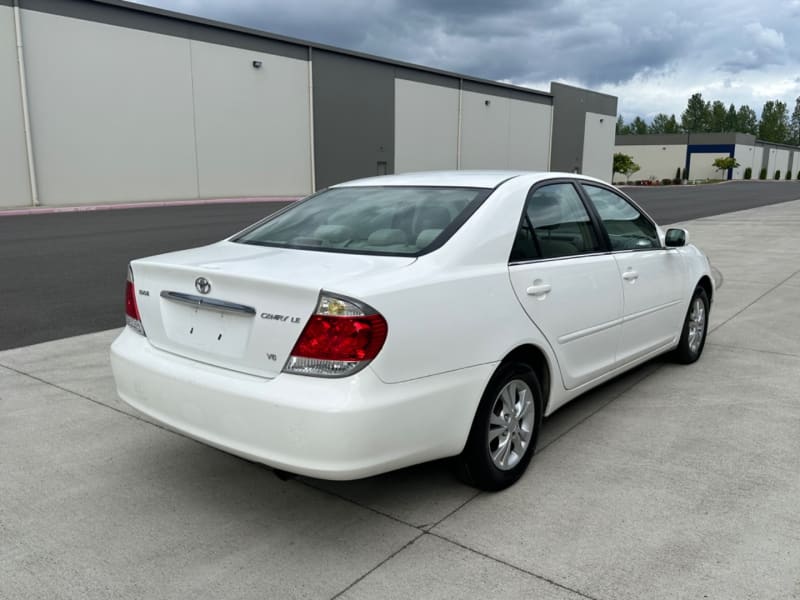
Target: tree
697	116
639	126
746	120
622	128
724	163
623	164
795	124
718	116
672	125
731	119
664	124
774	123
658	124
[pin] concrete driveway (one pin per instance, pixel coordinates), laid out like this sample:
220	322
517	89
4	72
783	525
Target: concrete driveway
668	482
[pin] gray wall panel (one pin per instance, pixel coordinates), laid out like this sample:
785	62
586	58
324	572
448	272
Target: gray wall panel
569	120
353	117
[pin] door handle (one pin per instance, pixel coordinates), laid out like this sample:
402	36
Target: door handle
630	275
539	289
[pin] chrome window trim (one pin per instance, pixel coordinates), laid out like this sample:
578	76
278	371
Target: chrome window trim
566	257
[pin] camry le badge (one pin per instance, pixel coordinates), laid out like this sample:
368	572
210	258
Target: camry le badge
202	284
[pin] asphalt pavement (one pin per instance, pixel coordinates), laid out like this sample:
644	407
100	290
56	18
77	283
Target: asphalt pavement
63	274
668	482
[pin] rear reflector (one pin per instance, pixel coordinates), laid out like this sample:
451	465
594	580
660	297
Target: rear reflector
132	318
342	337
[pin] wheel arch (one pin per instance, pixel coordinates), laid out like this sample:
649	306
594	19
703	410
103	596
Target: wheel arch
533	356
705	283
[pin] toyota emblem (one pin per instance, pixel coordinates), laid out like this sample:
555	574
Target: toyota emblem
203	285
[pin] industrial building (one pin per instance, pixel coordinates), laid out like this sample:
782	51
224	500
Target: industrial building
105	101
659	156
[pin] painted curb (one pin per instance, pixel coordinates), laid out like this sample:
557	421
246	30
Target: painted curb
49	210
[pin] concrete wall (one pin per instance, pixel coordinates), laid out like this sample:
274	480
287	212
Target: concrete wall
758	161
14	179
108	125
155	116
747	156
503	133
656	162
702	166
353	118
426	126
777	159
253	126
598	146
571	106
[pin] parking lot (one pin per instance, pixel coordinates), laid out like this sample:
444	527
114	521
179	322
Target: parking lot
667	482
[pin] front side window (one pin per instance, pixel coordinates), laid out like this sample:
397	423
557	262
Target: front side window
555	224
370	220
627	228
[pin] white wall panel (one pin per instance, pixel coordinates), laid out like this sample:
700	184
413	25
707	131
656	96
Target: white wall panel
111	112
758	157
702	166
655	162
253	125
426	126
484	131
746	156
598	146
529	135
781	162
504	133
14	179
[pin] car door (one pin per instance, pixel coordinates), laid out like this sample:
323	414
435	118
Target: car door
567	282
652	275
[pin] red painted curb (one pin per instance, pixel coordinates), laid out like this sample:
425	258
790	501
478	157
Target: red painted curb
49	210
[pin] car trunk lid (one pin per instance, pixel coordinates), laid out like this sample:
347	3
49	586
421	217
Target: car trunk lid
239	306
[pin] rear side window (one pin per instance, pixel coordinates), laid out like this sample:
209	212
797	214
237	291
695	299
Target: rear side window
627	228
555	224
370	220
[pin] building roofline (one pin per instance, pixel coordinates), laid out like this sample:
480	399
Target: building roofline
144	8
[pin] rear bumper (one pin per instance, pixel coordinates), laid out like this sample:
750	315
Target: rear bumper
328	428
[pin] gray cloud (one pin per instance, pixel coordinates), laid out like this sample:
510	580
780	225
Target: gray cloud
610	43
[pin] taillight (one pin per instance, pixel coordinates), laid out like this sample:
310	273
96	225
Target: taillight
132	318
340	338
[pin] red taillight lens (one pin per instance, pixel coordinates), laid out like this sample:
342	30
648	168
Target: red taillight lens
339	339
342	338
132	317
131	310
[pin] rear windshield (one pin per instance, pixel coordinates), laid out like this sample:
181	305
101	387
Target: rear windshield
370	220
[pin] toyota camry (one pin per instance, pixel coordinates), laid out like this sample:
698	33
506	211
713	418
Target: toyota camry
399	319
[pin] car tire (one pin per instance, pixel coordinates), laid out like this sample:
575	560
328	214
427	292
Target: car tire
695	329
503	435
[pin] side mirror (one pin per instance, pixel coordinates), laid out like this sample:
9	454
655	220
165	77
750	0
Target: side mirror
676	238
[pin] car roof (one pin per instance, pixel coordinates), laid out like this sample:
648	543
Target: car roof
465	178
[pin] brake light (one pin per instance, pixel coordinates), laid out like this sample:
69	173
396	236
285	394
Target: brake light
132	317
341	337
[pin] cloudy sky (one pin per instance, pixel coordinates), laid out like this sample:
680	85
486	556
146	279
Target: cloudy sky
652	55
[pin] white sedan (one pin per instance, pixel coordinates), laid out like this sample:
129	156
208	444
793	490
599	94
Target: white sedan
394	320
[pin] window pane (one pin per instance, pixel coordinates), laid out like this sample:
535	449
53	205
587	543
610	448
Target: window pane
374	220
560	222
627	228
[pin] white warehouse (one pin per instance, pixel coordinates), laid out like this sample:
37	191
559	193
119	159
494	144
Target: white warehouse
106	101
660	156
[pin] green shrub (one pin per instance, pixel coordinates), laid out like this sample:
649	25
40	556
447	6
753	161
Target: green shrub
683	176
748	173
677	179
666	181
777	174
798	174
789	174
763	173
